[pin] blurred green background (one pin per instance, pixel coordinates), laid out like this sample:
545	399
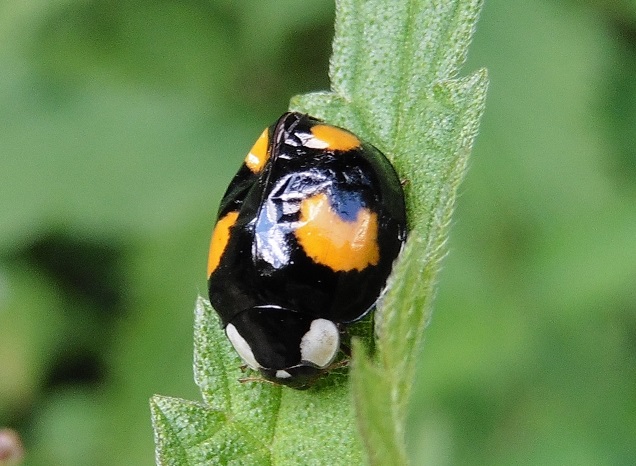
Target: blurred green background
121	124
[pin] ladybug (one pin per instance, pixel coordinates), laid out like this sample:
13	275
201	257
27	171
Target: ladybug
306	236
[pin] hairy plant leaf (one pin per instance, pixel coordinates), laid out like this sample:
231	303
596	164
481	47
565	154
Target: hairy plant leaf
394	82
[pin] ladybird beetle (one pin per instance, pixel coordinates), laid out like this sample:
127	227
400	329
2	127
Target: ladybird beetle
306	235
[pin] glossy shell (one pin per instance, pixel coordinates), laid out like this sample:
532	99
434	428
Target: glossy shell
308	229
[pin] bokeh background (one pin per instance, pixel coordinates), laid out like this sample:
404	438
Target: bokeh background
121	124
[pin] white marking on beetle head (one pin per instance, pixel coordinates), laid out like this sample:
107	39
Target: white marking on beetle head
241	346
320	344
281	374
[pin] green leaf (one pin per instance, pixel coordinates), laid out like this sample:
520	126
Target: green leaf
191	433
394	80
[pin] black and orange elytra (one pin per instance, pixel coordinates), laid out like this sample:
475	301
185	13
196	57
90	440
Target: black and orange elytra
305	239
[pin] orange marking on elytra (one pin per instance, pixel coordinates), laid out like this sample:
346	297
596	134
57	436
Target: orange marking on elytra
330	240
258	155
220	238
330	137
